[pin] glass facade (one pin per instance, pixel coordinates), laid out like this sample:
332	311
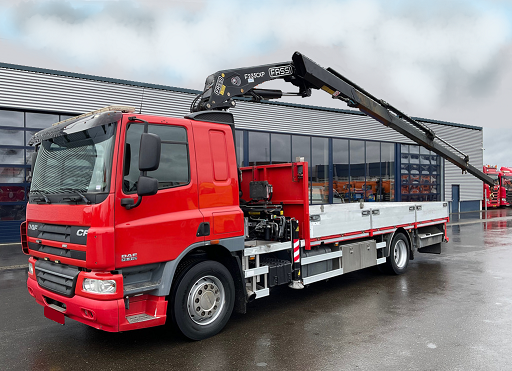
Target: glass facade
16	129
340	170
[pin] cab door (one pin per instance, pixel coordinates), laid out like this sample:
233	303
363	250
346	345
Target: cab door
164	224
218	181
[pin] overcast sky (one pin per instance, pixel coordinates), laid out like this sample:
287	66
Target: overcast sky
444	60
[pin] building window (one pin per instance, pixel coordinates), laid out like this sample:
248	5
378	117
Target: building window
259	148
14	156
12	174
341	175
387	184
40	120
12	118
301	148
373	184
239	137
357	183
14	213
419	174
281	148
319	175
11	137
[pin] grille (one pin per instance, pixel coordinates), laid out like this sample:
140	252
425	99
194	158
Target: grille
509	196
56	232
61	233
58	251
57	278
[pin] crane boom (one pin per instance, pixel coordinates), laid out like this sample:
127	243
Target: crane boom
223	86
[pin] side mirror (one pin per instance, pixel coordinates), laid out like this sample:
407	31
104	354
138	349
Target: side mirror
147	186
149	159
149	152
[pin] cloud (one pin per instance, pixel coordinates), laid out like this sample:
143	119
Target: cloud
497	147
422	55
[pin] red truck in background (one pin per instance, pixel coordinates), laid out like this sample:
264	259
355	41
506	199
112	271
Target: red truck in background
136	220
492	193
506	186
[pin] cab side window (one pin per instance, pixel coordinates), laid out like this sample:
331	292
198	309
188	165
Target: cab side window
174	168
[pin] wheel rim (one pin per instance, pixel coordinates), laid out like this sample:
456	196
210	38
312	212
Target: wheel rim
400	254
206	300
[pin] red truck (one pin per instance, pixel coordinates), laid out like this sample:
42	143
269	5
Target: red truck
492	193
506	186
136	220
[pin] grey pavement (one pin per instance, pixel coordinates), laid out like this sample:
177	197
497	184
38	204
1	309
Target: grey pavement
448	312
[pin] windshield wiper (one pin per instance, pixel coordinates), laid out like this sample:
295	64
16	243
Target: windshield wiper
41	199
74	199
84	199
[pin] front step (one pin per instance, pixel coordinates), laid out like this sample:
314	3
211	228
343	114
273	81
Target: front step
142	317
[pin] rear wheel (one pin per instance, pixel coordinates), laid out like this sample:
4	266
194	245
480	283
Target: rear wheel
204	296
398	259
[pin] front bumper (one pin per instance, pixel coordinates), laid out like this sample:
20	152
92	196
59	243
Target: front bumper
108	315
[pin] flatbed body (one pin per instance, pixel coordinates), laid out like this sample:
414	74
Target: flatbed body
334	238
340	222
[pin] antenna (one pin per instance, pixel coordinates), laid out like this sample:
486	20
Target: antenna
142	100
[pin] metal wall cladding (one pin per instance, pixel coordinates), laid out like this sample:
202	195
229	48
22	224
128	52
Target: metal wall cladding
469	141
57	92
45	92
309	121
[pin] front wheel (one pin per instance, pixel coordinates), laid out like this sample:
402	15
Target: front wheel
203	299
398	259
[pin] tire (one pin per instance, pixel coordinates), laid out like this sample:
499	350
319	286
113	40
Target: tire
203	299
398	259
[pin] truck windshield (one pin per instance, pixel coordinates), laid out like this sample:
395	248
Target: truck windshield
79	162
507	182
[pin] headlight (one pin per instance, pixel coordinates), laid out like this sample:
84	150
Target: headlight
99	286
30	268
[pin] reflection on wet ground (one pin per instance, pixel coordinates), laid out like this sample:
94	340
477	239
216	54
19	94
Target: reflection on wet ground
449	312
502	213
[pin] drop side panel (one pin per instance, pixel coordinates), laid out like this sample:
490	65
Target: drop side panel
290	187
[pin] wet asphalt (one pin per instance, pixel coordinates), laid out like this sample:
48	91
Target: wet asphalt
448	312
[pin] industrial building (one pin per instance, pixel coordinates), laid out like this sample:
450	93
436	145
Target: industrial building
351	156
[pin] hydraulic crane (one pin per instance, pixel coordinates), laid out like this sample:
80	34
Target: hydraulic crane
222	86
